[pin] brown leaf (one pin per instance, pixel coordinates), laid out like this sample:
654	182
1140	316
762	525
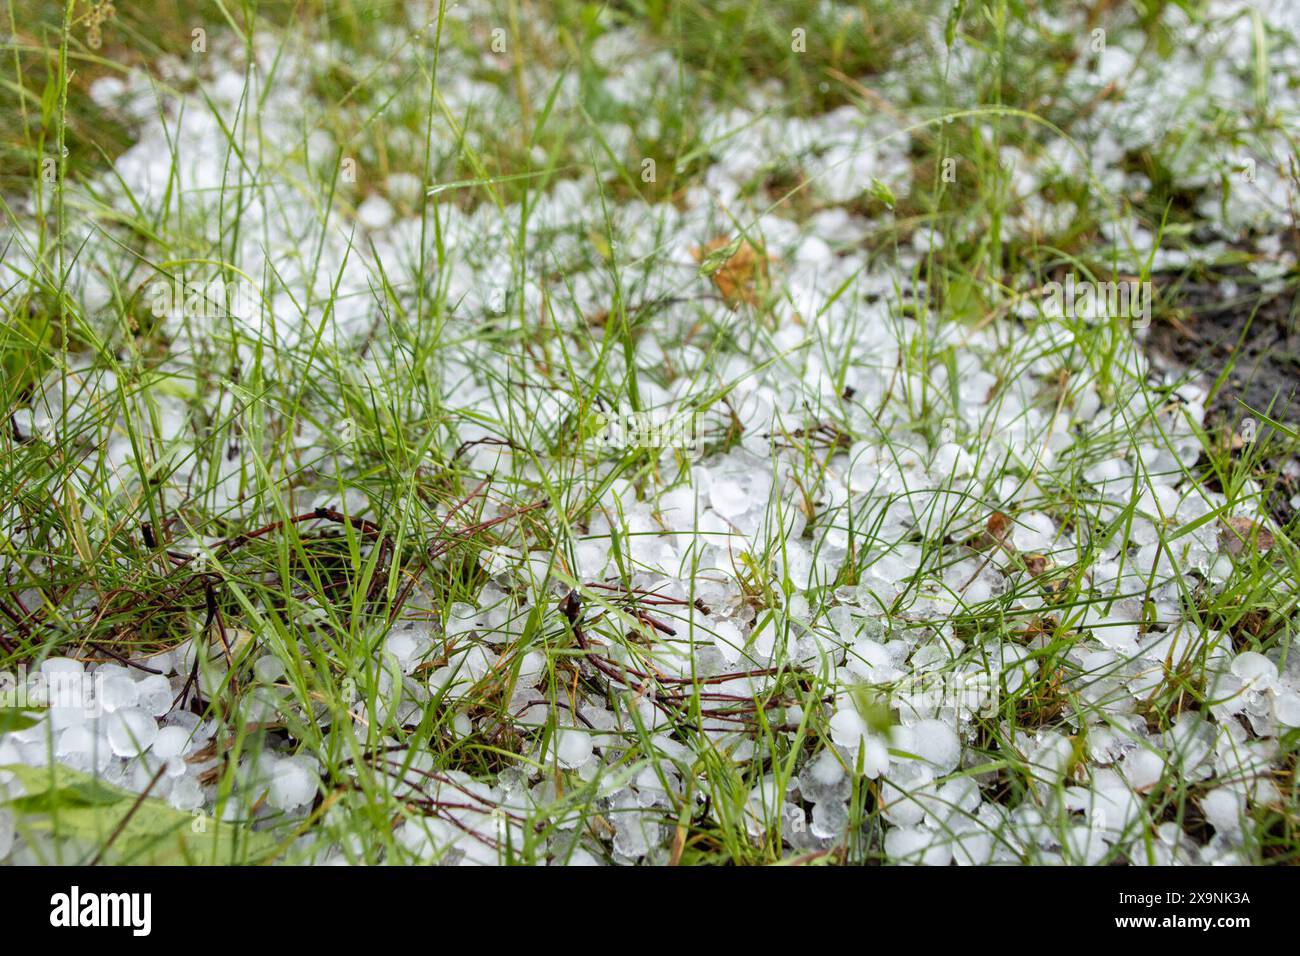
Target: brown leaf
1237	533
742	276
994	534
1036	564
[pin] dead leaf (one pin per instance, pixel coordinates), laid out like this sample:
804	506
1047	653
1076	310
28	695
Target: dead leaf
1054	589
994	533
1236	533
736	268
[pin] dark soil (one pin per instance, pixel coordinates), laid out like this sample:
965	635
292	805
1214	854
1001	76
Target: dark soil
1257	336
1261	331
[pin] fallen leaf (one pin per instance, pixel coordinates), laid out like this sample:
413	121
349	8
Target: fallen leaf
18	718
736	268
994	533
70	805
1036	564
1236	533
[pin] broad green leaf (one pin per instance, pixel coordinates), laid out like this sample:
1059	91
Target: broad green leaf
71	805
90	793
17	718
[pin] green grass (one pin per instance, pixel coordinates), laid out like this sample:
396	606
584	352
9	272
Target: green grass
257	551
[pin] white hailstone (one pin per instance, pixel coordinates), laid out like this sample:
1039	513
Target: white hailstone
418	837
632	826
1171	847
1286	708
293	783
825	768
404	187
848	729
830	819
675	751
580	857
1143	769
795	827
465	669
950	459
81	749
6	834
936	743
728	640
1263	791
573	748
870	661
1224	808
143	772
1190	741
1116	633
1256	671
649	789
823	779
915	846
630	837
957	800
531	669
874	757
155	695
973	844
71	703
131	732
765	799
375	212
164	663
172	741
117	691
904	798
268	669
1113	809
186	794
212	676
106	91
52	667
1084	845
1226	690
813	250
460	619
1048	756
764	641
592	557
408	646
1033	531
729	499
1017	667
1145	680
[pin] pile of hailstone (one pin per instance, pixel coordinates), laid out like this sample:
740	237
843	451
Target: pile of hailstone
894	488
